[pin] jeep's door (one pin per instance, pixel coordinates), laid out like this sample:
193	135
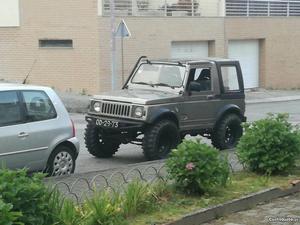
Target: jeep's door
13	131
201	98
231	85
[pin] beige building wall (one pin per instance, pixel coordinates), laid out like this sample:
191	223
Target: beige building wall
64	69
279	41
279	47
86	66
153	36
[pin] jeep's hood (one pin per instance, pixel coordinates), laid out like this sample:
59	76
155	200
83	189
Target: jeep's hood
138	96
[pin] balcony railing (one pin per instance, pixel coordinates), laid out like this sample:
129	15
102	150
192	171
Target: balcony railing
152	7
199	7
262	7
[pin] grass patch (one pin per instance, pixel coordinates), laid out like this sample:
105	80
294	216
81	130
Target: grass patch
175	205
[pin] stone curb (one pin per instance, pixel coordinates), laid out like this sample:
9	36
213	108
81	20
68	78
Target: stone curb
244	203
275	99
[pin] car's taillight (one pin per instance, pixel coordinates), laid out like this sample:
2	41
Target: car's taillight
73	129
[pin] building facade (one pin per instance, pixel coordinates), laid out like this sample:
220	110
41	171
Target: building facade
65	44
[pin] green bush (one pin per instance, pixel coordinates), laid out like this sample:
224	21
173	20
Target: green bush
64	211
7	216
104	208
26	195
270	145
138	197
197	168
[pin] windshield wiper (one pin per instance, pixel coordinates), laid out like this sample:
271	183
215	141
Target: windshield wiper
164	84
144	83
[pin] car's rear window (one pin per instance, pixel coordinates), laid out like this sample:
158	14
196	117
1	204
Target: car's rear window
10	108
38	106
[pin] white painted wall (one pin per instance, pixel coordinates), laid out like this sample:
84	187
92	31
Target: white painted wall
9	13
100	7
209	7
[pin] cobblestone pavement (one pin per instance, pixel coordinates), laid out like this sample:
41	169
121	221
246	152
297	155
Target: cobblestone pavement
273	213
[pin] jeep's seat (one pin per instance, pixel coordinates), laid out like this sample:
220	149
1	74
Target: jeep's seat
205	80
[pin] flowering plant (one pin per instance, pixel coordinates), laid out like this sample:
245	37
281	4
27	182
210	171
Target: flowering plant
196	167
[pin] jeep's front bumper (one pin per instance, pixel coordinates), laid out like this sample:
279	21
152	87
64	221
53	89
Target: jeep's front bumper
123	124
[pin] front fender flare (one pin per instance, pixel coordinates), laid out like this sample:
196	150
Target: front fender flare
163	113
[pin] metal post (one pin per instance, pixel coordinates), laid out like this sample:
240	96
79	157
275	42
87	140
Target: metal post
113	44
193	6
248	7
288	8
122	55
268	8
166	11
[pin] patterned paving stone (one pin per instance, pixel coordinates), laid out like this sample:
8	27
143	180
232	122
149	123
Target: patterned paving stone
283	211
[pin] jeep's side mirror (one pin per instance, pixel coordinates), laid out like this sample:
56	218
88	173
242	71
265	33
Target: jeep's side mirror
194	86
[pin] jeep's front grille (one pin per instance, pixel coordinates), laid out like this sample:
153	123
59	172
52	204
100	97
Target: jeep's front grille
116	109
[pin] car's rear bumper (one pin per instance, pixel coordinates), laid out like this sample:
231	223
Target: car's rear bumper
76	144
124	124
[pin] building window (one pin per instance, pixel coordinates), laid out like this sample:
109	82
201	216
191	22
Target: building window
54	43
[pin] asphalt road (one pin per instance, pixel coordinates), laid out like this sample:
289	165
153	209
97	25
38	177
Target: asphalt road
129	153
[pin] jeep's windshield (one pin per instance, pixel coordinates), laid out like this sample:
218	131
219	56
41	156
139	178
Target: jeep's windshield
159	75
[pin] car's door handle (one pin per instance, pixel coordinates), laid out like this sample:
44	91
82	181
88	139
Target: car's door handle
208	97
23	134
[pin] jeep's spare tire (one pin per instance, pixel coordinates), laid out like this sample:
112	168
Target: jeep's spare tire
160	139
97	145
227	132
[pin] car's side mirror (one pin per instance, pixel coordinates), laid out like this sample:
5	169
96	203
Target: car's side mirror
194	86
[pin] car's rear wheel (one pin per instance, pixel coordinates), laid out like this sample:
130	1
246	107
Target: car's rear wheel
61	162
160	139
227	132
98	145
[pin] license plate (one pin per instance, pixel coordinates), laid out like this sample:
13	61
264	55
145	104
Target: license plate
107	123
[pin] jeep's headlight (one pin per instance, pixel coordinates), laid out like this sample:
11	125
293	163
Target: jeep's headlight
97	106
139	111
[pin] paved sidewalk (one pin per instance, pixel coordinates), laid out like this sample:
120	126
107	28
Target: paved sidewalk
76	103
263	96
282	211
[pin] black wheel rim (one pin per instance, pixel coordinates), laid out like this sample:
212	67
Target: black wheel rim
166	143
232	134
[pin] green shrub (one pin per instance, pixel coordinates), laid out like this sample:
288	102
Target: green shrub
138	197
197	168
7	216
64	211
104	208
270	145
27	195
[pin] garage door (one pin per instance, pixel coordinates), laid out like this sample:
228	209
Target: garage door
189	49
247	51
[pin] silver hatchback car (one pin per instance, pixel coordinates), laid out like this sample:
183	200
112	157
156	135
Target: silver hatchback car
36	131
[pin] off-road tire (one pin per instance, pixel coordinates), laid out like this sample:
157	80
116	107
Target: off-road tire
164	132
50	170
97	145
220	138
